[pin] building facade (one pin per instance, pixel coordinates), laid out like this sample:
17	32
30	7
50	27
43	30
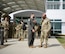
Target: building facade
55	10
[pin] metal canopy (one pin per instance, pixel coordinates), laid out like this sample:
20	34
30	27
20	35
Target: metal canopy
10	6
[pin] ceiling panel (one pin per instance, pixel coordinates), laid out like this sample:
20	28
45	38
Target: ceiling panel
14	5
6	8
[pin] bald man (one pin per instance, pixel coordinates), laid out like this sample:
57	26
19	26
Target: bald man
45	30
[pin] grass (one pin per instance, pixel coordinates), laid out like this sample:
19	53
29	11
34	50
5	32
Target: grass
62	41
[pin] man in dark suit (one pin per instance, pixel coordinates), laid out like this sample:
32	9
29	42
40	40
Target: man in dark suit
31	30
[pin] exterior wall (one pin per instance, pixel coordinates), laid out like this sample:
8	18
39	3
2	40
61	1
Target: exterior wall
57	14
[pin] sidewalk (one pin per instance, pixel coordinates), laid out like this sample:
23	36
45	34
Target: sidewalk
21	47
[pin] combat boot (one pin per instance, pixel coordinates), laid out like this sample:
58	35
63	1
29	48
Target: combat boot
40	45
45	45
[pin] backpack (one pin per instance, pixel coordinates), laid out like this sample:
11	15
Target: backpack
24	27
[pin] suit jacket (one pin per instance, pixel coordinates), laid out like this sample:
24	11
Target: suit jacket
31	25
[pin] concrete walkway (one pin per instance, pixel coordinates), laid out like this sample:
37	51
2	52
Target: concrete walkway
21	47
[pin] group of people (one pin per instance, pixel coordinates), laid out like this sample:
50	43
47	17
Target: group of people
20	30
45	30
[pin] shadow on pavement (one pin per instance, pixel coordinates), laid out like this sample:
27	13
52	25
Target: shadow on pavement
54	45
3	46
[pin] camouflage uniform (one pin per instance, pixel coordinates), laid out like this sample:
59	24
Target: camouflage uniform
45	29
18	31
5	24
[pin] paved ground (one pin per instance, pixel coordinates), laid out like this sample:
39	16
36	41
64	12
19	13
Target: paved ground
21	47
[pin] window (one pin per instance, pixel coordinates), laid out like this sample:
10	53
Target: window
51	20
57	20
49	6
38	20
54	0
17	20
57	32
49	0
56	26
53	6
25	17
56	6
63	6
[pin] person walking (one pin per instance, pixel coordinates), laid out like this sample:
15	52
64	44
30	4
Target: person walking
45	30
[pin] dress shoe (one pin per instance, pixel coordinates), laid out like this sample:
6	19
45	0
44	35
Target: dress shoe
31	46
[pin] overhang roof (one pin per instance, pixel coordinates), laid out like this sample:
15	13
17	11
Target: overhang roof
10	6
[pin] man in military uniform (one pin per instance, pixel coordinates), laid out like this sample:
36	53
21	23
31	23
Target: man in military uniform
13	29
45	30
21	31
18	30
5	24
